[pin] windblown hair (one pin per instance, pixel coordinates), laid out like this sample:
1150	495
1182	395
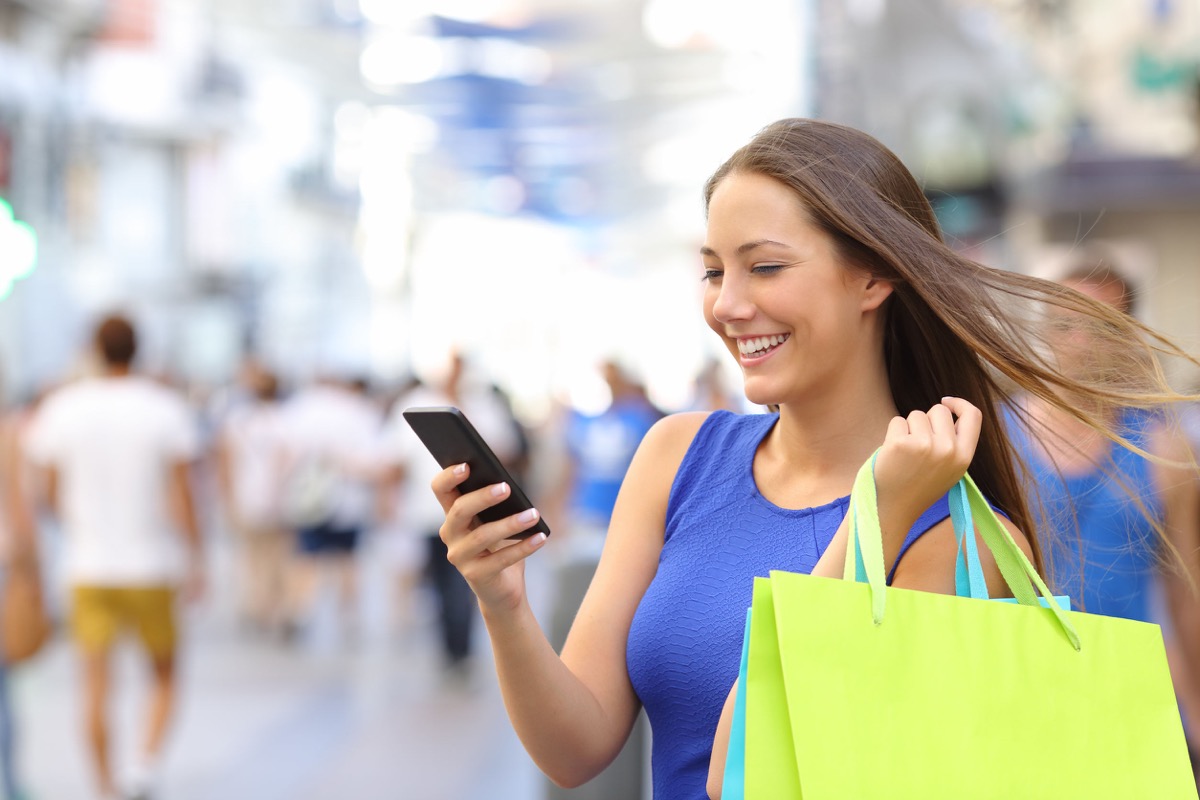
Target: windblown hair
955	327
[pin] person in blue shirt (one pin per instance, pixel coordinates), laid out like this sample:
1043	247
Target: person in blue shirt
1104	504
826	278
599	450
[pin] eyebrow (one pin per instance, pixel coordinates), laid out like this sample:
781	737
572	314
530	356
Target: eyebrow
744	248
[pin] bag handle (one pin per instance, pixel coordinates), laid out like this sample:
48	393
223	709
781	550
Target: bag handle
864	548
968	572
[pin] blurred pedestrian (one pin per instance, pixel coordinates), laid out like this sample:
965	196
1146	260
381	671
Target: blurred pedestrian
600	448
115	452
21	563
1102	501
331	431
250	472
412	469
711	391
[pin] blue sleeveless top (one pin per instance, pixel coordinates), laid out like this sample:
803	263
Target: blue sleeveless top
1102	550
685	641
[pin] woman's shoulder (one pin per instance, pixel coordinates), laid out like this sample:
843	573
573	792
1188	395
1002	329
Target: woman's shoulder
673	434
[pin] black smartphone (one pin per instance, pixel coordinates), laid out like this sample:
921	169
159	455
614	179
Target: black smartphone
452	439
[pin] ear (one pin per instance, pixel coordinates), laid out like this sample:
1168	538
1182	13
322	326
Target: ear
875	291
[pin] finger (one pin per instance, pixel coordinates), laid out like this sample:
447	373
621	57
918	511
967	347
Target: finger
503	533
918	427
504	558
897	429
445	484
462	513
941	423
967	427
488	536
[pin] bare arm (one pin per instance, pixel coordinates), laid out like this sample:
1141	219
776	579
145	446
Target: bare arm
226	476
16	497
183	509
573	713
1179	493
49	480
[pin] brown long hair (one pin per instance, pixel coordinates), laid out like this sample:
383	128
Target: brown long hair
955	327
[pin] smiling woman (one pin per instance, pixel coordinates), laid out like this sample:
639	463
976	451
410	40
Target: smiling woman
827	280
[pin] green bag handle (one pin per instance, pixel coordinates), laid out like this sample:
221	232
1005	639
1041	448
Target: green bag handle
866	539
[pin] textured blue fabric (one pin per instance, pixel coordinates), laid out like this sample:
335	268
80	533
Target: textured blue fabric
686	637
1102	548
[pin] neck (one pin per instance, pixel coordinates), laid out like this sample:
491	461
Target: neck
117	370
836	433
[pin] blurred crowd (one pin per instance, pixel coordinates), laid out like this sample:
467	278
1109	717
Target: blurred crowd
122	485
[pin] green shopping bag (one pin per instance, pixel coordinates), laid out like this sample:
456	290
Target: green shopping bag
774	770
858	690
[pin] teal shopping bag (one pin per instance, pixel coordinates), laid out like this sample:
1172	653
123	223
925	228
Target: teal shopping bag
733	785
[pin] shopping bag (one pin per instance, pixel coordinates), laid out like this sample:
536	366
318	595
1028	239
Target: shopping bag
775	766
904	694
733	784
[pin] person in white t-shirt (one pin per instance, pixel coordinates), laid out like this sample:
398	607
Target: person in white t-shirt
421	515
115	452
331	432
250	473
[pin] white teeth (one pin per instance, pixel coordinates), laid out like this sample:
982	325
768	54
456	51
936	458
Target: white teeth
760	343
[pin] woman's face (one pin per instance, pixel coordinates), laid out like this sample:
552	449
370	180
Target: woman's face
777	293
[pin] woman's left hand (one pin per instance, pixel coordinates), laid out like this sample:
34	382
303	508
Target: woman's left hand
923	455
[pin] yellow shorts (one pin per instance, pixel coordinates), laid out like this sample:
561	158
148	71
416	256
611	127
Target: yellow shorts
100	613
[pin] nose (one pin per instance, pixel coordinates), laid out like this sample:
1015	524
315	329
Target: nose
732	302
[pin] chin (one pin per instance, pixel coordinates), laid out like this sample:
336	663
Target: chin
760	395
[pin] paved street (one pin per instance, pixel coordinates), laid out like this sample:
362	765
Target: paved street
334	716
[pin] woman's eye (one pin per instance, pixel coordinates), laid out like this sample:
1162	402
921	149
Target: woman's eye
712	275
767	269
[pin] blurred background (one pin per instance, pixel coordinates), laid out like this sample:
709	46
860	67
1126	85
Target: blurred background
367	187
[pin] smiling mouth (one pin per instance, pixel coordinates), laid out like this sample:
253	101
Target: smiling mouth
760	346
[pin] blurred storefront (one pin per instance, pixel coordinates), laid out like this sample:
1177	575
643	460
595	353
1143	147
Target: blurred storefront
364	185
1038	127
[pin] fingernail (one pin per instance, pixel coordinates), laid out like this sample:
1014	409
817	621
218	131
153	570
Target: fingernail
528	515
499	489
537	539
460	469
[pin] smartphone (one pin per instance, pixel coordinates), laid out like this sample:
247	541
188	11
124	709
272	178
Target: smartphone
452	439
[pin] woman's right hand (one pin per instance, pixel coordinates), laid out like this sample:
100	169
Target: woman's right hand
492	562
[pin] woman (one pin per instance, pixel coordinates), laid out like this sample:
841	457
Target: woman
826	278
